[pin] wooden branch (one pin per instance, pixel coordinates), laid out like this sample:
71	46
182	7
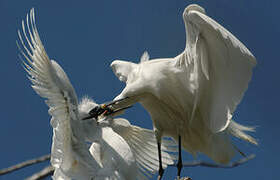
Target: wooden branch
47	171
185	178
212	165
25	164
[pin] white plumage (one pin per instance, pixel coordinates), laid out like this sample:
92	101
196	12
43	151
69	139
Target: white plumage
109	149
194	94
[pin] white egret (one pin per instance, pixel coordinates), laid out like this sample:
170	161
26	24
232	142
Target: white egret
86	146
192	96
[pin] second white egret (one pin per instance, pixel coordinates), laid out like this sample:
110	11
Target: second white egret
193	96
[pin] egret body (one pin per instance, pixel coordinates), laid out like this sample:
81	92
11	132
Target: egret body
193	96
95	148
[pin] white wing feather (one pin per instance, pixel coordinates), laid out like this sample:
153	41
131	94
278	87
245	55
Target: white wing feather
51	82
144	147
145	57
220	67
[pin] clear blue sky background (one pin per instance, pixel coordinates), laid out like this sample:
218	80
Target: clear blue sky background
85	36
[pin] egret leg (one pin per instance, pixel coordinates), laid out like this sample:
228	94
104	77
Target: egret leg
179	164
161	170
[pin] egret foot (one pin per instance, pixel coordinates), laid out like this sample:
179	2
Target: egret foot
179	167
160	173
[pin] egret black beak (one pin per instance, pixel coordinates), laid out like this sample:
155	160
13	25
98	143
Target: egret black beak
94	113
105	109
115	101
117	110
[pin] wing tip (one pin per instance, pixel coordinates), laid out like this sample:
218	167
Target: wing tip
193	7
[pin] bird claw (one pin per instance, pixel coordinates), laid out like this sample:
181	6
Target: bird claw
179	167
160	173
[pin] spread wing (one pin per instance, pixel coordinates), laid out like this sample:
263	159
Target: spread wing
144	147
220	67
51	82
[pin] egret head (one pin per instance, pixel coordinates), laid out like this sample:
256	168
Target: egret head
131	74
128	72
86	107
136	76
124	70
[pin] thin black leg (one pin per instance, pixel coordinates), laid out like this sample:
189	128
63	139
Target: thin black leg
179	164
161	170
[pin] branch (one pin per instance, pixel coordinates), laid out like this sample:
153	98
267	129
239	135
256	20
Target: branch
185	178
207	164
25	164
47	171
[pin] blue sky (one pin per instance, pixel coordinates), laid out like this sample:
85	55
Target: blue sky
86	36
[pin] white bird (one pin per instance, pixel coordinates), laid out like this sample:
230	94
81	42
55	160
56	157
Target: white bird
84	145
193	96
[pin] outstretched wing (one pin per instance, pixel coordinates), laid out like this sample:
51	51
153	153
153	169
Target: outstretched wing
220	67
144	147
51	82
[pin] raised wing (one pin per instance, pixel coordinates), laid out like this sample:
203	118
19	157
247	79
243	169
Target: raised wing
51	82
220	67
144	147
